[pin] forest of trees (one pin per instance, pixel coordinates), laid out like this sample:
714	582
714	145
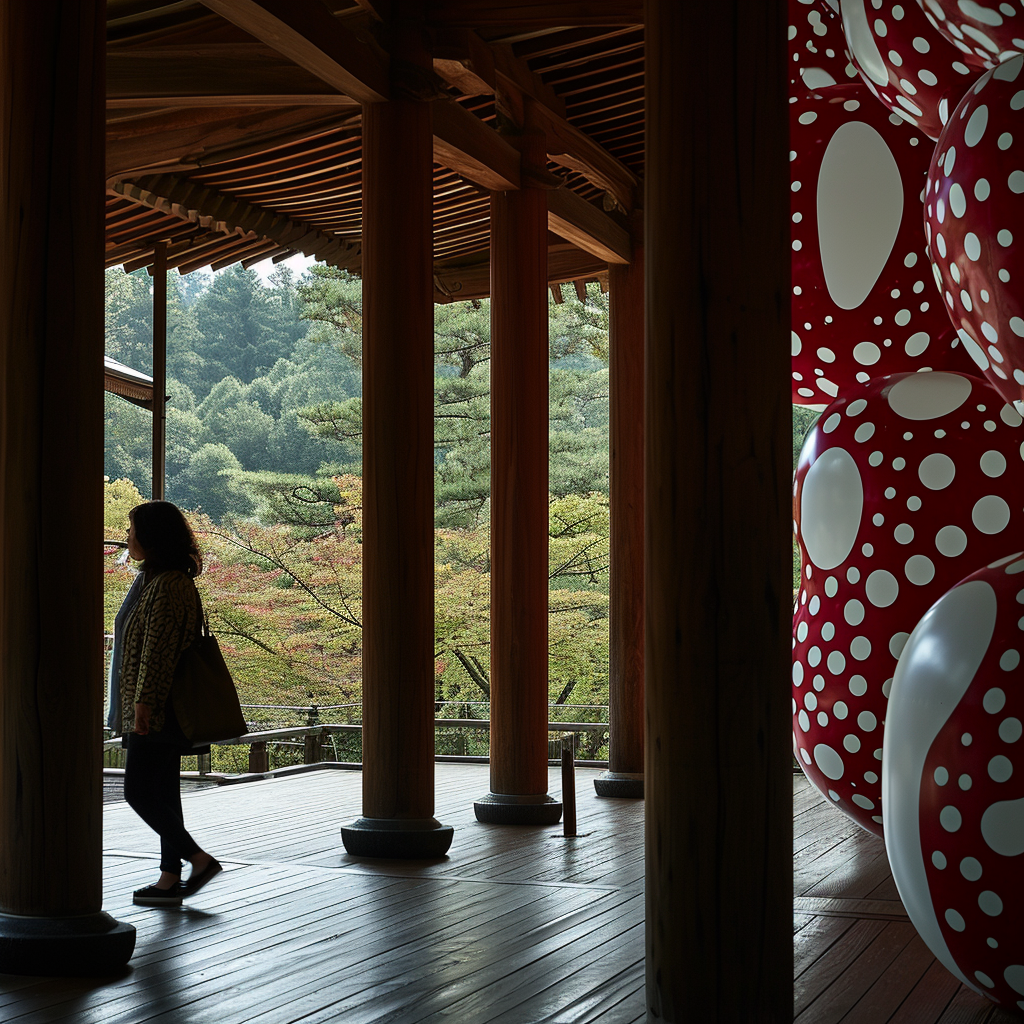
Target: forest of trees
263	449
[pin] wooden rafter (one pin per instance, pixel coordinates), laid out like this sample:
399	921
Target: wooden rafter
305	32
231	215
177	140
214	74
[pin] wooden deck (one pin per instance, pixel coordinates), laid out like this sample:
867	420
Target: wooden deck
516	926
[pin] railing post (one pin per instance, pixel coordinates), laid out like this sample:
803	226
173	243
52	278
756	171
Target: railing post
259	758
311	754
568	786
205	763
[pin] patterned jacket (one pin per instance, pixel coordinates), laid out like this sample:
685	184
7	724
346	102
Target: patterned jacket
161	625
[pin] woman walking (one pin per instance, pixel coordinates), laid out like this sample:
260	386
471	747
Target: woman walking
160	625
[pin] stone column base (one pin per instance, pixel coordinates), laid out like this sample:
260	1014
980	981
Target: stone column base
508	809
623	784
397	838
85	945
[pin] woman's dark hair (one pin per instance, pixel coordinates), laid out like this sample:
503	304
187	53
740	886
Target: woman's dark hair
164	534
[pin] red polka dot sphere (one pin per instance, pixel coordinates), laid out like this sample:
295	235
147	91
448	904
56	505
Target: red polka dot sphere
974	208
863	305
905	63
986	32
817	49
905	486
953	780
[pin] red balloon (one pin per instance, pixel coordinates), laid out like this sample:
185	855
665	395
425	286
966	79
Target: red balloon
817	49
953	780
906	64
986	32
905	485
974	204
862	304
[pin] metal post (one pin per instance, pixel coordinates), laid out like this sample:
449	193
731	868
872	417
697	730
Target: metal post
568	786
159	271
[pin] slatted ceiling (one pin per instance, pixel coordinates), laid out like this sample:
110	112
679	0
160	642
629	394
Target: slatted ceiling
315	179
565	41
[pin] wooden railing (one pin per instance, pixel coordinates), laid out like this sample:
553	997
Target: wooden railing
314	738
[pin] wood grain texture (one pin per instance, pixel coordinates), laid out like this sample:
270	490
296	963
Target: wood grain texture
51	455
718	548
519	486
398	463
626	589
516	925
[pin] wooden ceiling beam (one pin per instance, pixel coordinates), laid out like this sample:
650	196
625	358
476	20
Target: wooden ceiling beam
217	74
305	32
571	217
529	15
499	70
177	140
464	144
460	278
234	216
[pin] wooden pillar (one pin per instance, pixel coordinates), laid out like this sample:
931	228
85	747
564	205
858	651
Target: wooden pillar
519	505
51	498
159	272
398	485
718	555
624	777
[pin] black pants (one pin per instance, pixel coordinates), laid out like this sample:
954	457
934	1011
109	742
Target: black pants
152	788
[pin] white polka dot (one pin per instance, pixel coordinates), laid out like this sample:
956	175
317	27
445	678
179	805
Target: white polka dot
1011	730
1009	660
917	343
939	860
990	514
903	533
1016	182
858	686
836	662
990	903
949	818
941	776
970	868
830	508
982	189
851	743
828	761
927	396
920	570
840	710
951	541
867	721
831	586
1000	768
860	648
862	801
955	920
831	423
805	722
994	700
863	432
993	464
896	644
976	126
957	200
881	588
972	246
853	612
798	673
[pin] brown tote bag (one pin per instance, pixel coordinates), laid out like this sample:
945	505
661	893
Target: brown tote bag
203	693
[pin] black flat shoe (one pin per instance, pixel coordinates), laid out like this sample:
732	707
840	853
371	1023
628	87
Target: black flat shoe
151	896
198	879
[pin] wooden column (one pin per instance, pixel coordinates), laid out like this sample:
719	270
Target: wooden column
51	498
159	272
624	777
718	556
519	505
398	487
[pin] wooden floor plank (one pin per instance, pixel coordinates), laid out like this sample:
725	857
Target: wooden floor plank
515	926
